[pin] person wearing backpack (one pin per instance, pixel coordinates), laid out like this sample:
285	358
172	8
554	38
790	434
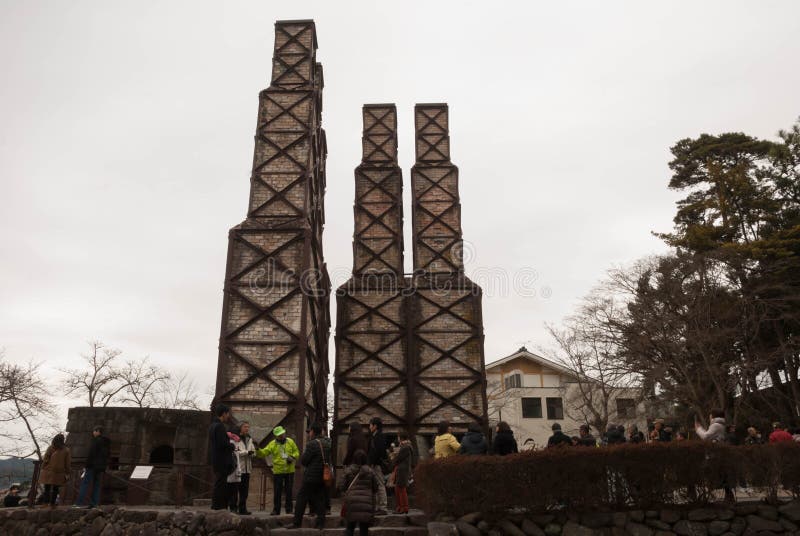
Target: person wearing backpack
360	485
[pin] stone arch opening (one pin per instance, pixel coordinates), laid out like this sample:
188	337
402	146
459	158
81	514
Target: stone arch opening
162	455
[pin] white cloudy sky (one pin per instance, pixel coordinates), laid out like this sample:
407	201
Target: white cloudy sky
126	137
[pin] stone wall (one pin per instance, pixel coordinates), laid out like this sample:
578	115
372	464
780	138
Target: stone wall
747	519
744	519
111	521
136	432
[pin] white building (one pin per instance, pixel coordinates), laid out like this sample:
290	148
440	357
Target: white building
531	393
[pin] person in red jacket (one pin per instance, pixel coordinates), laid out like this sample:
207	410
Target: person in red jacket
779	433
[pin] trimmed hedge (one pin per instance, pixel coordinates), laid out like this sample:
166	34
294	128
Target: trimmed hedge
619	477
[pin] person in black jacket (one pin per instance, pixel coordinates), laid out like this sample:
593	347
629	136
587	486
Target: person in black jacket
613	436
96	465
634	435
377	457
312	490
558	438
220	456
586	438
504	442
474	443
12	499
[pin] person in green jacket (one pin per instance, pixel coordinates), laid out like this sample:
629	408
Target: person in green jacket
281	454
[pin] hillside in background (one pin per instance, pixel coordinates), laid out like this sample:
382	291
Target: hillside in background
15	470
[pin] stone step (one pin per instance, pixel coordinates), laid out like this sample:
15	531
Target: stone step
340	531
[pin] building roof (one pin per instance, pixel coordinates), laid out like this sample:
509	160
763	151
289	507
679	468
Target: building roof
524	353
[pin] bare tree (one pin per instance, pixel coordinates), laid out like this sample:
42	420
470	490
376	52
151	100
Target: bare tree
177	392
101	381
499	398
589	346
142	380
24	401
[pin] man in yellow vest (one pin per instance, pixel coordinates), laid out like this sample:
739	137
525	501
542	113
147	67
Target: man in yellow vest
281	454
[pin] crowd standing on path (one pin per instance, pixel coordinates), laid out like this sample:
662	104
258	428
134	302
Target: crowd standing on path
372	464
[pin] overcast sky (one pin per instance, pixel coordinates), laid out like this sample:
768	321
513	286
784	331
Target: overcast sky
126	139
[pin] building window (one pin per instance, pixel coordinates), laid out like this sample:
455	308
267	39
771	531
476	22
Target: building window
555	411
514	380
531	408
626	408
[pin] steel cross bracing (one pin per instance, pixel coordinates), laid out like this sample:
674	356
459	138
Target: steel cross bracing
447	327
410	352
275	322
371	367
378	208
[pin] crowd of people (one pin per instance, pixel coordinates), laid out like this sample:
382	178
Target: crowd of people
717	431
371	464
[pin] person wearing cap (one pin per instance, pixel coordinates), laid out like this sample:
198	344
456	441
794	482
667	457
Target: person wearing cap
282	453
313	460
220	456
558	438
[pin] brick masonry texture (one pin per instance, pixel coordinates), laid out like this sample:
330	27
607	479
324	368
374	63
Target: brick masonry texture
408	349
272	366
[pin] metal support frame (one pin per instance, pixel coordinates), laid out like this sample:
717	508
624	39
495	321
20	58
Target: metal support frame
275	319
409	315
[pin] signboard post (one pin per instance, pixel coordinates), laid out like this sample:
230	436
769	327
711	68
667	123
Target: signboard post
138	491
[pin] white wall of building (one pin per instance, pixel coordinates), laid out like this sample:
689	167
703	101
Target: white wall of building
507	405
